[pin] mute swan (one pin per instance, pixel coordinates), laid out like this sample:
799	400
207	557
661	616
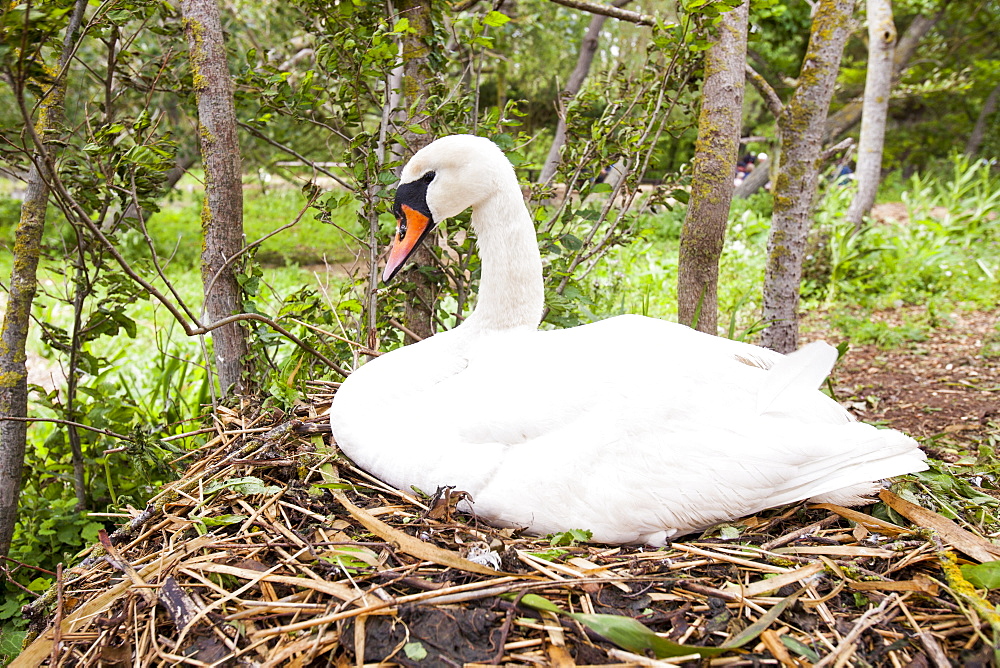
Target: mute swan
634	428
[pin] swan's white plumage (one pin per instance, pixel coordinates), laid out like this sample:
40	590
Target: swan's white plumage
634	428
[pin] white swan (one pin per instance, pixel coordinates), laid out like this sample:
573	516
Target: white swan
634	428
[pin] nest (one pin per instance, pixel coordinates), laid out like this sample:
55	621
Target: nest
273	550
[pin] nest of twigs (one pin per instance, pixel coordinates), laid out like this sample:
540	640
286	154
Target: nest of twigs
273	549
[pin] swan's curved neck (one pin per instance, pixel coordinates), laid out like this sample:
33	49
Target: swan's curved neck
511	292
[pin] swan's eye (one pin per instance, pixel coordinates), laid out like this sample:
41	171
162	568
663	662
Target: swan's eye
428	177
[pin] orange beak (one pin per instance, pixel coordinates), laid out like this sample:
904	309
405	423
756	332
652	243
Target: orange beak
411	228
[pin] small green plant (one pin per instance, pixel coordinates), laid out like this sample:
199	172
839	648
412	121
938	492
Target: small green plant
861	329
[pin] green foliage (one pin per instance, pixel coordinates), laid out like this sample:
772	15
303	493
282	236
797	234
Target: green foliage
983	576
11	639
861	329
945	251
570	538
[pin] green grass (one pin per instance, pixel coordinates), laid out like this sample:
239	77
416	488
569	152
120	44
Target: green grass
176	228
930	261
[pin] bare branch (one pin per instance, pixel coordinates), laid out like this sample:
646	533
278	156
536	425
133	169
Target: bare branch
279	329
106	432
831	151
771	98
291	151
608	10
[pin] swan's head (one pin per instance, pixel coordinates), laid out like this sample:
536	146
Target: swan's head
441	180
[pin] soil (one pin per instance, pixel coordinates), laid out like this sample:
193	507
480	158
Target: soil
944	391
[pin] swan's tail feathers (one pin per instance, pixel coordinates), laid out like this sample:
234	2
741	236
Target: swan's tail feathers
797	374
883	454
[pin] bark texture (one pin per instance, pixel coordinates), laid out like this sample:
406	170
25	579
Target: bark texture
588	47
878	84
222	213
22	287
801	125
713	170
416	80
979	130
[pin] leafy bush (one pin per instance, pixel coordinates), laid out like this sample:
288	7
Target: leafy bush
947	250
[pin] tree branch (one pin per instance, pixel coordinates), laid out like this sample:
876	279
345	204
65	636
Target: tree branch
608	10
276	327
771	98
291	151
106	432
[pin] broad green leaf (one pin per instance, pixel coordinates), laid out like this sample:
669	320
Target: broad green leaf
983	576
495	19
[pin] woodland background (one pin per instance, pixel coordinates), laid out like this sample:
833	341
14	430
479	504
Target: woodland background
152	153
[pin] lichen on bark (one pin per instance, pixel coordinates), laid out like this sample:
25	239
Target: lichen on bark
801	128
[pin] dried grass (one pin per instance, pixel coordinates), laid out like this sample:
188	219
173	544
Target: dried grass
272	550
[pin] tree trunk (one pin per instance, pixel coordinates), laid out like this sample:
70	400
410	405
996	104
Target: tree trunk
588	47
22	287
849	115
801	126
878	83
713	170
418	315
222	213
979	130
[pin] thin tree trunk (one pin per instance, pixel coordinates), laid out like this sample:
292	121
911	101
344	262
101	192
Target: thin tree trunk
713	170
588	48
849	115
878	84
979	130
22	287
222	213
418	315
801	125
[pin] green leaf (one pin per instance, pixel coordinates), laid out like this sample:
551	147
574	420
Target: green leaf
571	537
758	627
223	520
982	576
634	636
415	651
799	648
495	19
625	632
729	532
571	242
